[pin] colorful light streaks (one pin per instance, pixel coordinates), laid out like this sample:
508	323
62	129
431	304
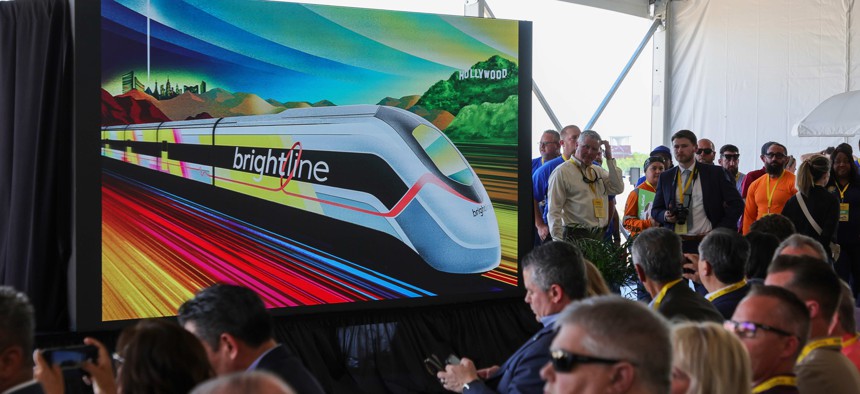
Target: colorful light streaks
171	248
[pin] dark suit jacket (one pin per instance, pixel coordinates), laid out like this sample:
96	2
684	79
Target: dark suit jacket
520	374
722	202
727	303
682	303
280	362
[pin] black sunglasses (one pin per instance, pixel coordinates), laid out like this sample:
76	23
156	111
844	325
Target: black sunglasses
563	361
705	151
748	329
729	156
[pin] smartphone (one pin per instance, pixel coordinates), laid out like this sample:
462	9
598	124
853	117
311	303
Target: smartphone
70	357
434	365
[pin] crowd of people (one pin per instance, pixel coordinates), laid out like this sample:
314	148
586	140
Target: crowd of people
223	343
749	285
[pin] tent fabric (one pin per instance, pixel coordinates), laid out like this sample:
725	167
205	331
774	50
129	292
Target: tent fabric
746	72
837	116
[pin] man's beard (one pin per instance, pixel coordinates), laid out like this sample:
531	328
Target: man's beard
774	169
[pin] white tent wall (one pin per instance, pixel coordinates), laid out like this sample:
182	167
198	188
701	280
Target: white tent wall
745	72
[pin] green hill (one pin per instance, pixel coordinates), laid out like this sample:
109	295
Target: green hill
486	122
455	93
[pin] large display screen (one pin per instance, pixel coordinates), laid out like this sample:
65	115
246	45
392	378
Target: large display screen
323	156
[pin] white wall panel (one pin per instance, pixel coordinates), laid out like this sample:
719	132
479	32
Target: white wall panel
746	71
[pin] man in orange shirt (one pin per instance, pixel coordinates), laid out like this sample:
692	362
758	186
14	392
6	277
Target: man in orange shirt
768	194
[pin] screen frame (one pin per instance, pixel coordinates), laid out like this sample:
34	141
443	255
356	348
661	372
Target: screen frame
85	270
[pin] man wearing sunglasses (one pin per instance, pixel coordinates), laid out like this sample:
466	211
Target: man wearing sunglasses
554	276
821	366
730	159
767	195
705	152
773	325
755	174
609	345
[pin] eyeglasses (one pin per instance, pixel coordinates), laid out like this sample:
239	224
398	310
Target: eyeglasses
776	155
732	157
546	143
748	329
705	151
563	361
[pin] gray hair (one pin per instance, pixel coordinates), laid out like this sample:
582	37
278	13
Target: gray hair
617	328
658	251
588	134
244	382
17	320
800	241
558	263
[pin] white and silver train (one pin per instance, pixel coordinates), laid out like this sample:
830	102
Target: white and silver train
379	167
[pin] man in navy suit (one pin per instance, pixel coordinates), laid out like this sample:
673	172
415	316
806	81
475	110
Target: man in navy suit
236	331
554	276
16	343
722	256
693	198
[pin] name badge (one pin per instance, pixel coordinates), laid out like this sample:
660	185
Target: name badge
599	210
681	228
843	212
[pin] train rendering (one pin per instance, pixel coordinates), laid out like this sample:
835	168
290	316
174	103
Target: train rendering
383	168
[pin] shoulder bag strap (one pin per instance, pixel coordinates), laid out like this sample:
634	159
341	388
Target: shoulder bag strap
812	221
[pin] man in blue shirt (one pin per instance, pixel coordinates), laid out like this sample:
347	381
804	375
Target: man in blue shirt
554	277
550	148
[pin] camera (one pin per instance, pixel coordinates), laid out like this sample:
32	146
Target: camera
70	357
680	214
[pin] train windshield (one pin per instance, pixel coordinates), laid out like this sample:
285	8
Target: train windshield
444	155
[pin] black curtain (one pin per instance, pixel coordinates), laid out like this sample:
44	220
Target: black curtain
35	154
383	351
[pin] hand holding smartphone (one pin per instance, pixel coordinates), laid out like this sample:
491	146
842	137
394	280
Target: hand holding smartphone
71	357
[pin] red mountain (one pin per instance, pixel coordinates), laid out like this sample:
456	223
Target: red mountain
130	108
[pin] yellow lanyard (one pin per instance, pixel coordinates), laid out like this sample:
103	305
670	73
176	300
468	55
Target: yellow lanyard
737	175
726	290
663	291
842	191
832	341
592	181
773	382
770	191
650	185
686	187
851	341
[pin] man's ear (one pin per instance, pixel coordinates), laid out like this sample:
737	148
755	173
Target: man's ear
623	374
11	360
705	268
640	273
229	345
813	308
789	349
556	293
